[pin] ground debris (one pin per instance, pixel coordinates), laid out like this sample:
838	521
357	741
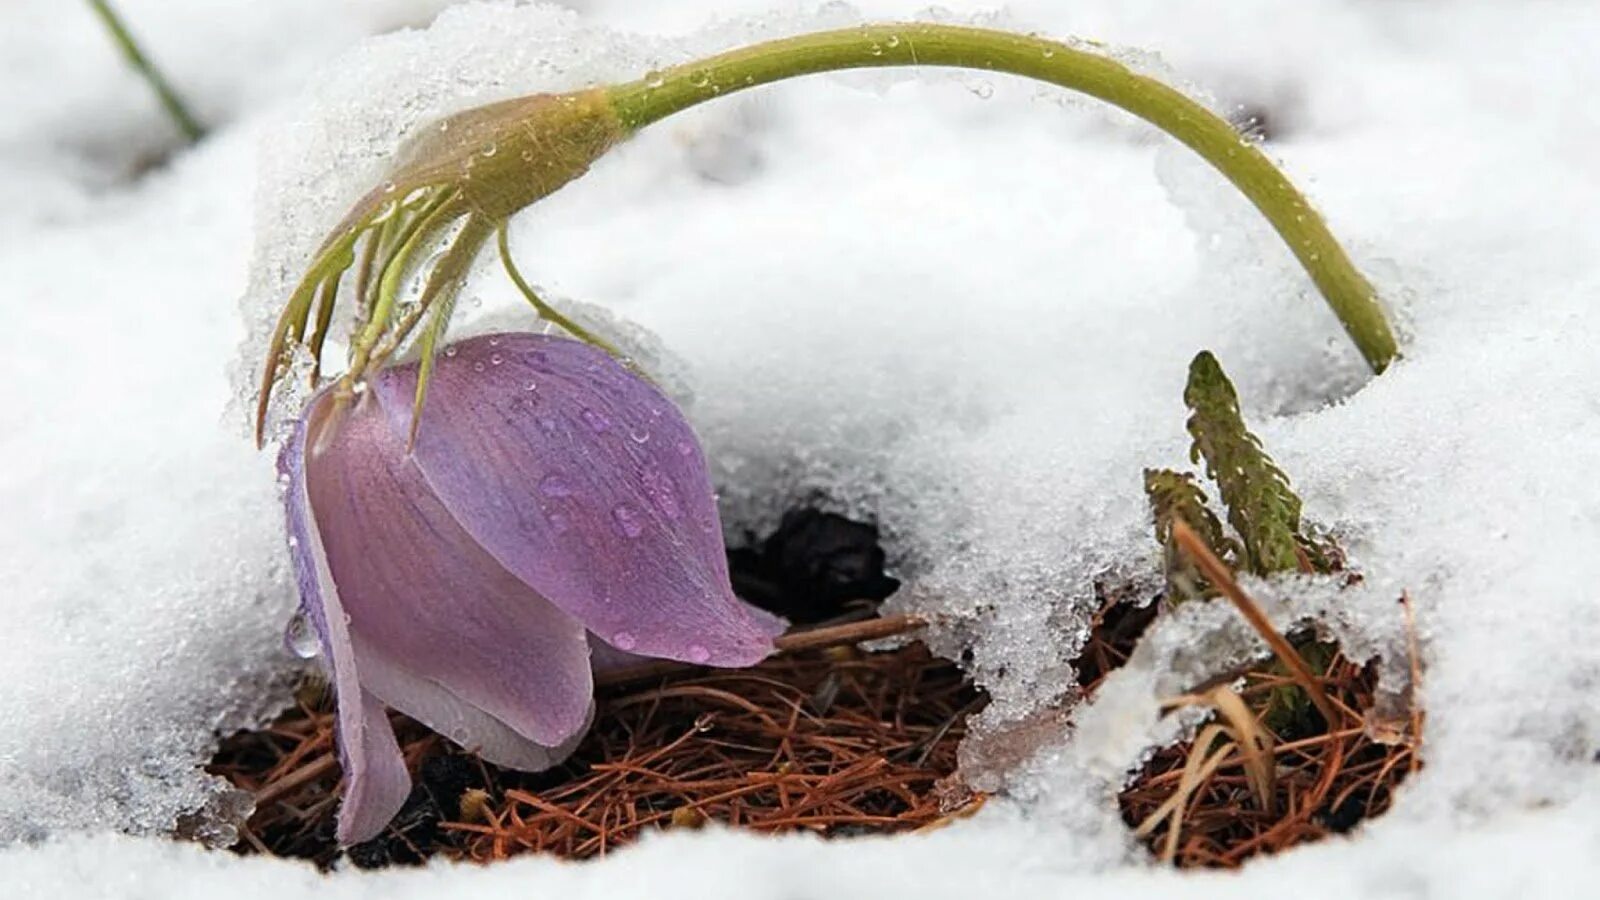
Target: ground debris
1325	780
834	741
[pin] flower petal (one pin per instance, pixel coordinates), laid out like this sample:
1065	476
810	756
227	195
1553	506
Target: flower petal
374	790
376	781
605	659
587	483
419	589
475	730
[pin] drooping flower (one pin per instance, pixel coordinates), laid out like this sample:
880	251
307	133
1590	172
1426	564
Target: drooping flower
552	495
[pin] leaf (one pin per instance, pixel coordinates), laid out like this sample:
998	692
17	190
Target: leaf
1173	496
1262	508
438	322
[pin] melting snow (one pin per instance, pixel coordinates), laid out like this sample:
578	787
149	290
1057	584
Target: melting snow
958	304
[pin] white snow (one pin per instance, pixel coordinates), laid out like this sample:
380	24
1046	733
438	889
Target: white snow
967	317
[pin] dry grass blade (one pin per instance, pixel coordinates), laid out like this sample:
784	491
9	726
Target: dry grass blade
1323	783
1310	774
1199	766
1253	741
1415	652
1223	580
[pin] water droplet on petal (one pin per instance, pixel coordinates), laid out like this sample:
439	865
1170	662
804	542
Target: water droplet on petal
699	654
301	636
626	518
663	495
554	485
477	367
624	641
685	448
496	359
451	351
640	434
595	420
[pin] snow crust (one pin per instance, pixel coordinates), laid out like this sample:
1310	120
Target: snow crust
955	303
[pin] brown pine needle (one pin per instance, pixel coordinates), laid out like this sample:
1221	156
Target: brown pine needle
1324	783
1190	802
738	747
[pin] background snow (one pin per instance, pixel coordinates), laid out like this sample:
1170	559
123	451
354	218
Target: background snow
967	317
1553	851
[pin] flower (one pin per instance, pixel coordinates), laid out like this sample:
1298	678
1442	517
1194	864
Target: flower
552	497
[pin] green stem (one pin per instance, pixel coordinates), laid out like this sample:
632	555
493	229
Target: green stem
130	50
328	298
1352	297
545	310
444	282
438	212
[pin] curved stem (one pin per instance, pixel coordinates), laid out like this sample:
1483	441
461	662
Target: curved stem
1352	297
543	309
439	295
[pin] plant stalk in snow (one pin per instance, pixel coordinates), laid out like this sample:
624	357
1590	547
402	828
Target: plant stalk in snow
170	102
463	180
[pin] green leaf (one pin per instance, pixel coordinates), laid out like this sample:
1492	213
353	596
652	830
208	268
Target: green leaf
1262	508
1173	496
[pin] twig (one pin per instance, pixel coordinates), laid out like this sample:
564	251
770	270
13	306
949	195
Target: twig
1414	650
819	638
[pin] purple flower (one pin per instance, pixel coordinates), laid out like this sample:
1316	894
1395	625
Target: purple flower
552	495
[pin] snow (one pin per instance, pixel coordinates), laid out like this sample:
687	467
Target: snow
967	317
1553	850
